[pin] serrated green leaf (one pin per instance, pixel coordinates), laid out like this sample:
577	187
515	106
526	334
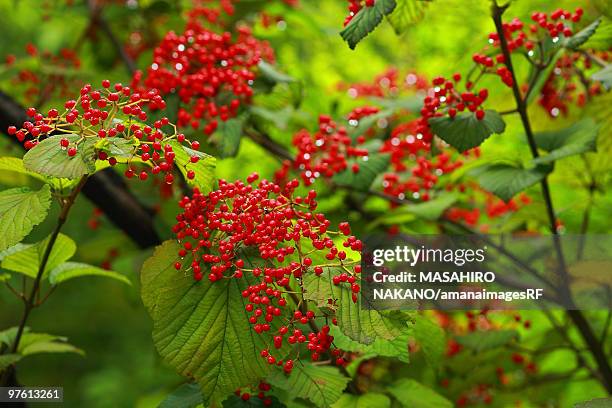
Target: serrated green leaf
582	36
602	39
412	394
201	328
365	21
359	322
464	131
323	385
16	164
369	400
20	210
70	270
397	348
229	134
49	159
187	395
579	138
29	257
204	169
431	338
369	169
506	180
487	340
406	13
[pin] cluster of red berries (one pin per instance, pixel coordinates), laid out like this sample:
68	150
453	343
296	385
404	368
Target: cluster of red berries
212	10
354	7
568	83
216	229
327	151
57	77
446	96
260	391
113	113
204	68
545	27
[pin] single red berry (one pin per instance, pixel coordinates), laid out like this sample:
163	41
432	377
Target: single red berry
480	114
72	152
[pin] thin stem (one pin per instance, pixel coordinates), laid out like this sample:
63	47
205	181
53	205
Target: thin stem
30	300
576	316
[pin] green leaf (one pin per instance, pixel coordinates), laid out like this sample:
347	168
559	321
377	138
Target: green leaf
49	159
431	338
595	403
235	401
187	395
369	169
323	385
430	210
365	21
270	73
464	131
582	36
16	164
487	340
20	210
8	336
201	328
229	134
369	400
29	257
70	270
204	169
604	76
506	180
397	348
406	13
368	122
35	343
7	360
579	138
412	394
357	321
602	39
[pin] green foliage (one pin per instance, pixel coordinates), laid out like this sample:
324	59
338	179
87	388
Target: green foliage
28	257
397	348
431	338
204	169
368	171
406	13
229	134
507	180
48	159
201	328
365	21
429	210
487	340
20	210
323	385
579	138
71	270
582	36
371	399
358	321
412	394
604	76
35	343
464	131
595	403
187	395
